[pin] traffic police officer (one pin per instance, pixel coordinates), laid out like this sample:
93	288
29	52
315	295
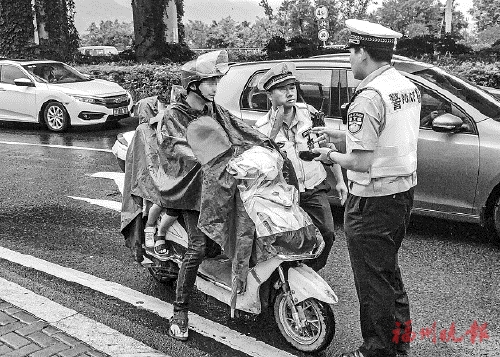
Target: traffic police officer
381	162
288	124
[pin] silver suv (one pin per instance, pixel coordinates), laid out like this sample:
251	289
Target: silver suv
458	153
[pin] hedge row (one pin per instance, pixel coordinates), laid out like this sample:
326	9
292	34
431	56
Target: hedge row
483	74
143	80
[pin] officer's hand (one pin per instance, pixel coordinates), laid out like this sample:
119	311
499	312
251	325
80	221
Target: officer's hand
323	157
342	191
327	135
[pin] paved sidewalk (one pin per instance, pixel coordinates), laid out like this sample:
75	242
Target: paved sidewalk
32	325
23	334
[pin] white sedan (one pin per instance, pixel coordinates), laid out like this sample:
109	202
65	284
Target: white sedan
58	96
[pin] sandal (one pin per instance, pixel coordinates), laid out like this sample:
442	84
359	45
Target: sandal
160	245
179	326
149	237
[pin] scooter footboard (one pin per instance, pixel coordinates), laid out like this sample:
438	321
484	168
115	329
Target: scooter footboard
305	283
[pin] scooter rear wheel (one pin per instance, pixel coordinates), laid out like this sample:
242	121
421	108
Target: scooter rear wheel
159	275
319	327
165	272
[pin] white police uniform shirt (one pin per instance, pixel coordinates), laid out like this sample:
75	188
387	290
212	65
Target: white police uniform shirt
291	140
367	120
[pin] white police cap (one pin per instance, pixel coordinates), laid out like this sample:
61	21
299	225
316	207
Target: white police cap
369	34
282	73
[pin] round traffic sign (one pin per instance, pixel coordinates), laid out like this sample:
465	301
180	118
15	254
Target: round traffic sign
321	12
323	35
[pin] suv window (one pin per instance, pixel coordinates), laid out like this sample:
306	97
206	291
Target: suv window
434	105
469	93
9	73
314	88
252	98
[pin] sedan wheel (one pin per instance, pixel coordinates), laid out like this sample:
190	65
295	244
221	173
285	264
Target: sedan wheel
55	117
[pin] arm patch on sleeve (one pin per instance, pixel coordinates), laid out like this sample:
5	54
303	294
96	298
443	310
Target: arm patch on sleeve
355	122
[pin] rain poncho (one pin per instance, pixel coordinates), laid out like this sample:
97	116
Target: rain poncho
162	168
281	225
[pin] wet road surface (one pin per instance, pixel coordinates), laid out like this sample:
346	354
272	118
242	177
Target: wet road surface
450	269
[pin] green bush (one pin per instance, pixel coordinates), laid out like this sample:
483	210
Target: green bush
478	72
428	44
141	80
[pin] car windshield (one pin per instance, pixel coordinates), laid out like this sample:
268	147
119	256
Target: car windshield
483	101
55	72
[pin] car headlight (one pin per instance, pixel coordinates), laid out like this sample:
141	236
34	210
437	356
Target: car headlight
90	100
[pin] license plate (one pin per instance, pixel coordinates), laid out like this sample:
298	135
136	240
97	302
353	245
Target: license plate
120	111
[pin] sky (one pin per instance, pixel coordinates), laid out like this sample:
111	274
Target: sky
203	10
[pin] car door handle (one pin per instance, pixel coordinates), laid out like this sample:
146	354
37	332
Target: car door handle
2	89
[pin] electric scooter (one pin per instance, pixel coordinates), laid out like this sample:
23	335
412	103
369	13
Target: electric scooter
300	298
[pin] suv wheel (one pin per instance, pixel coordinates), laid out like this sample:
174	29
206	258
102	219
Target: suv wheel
495	220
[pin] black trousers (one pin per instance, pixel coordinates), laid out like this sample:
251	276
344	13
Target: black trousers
197	242
375	228
315	203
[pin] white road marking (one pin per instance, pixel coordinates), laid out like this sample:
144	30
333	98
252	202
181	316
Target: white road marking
114	205
118	177
95	334
54	146
218	332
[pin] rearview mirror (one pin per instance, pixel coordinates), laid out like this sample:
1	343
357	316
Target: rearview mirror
446	123
24	82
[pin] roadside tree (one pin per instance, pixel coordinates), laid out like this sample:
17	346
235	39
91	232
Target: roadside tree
109	33
417	17
38	28
488	36
196	34
158	30
486	13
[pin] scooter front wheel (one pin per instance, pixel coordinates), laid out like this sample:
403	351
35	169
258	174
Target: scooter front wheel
316	326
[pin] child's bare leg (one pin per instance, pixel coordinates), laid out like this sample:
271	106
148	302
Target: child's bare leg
166	222
149	230
160	242
154	213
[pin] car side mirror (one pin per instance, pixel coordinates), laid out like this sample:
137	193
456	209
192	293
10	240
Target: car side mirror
447	123
24	82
